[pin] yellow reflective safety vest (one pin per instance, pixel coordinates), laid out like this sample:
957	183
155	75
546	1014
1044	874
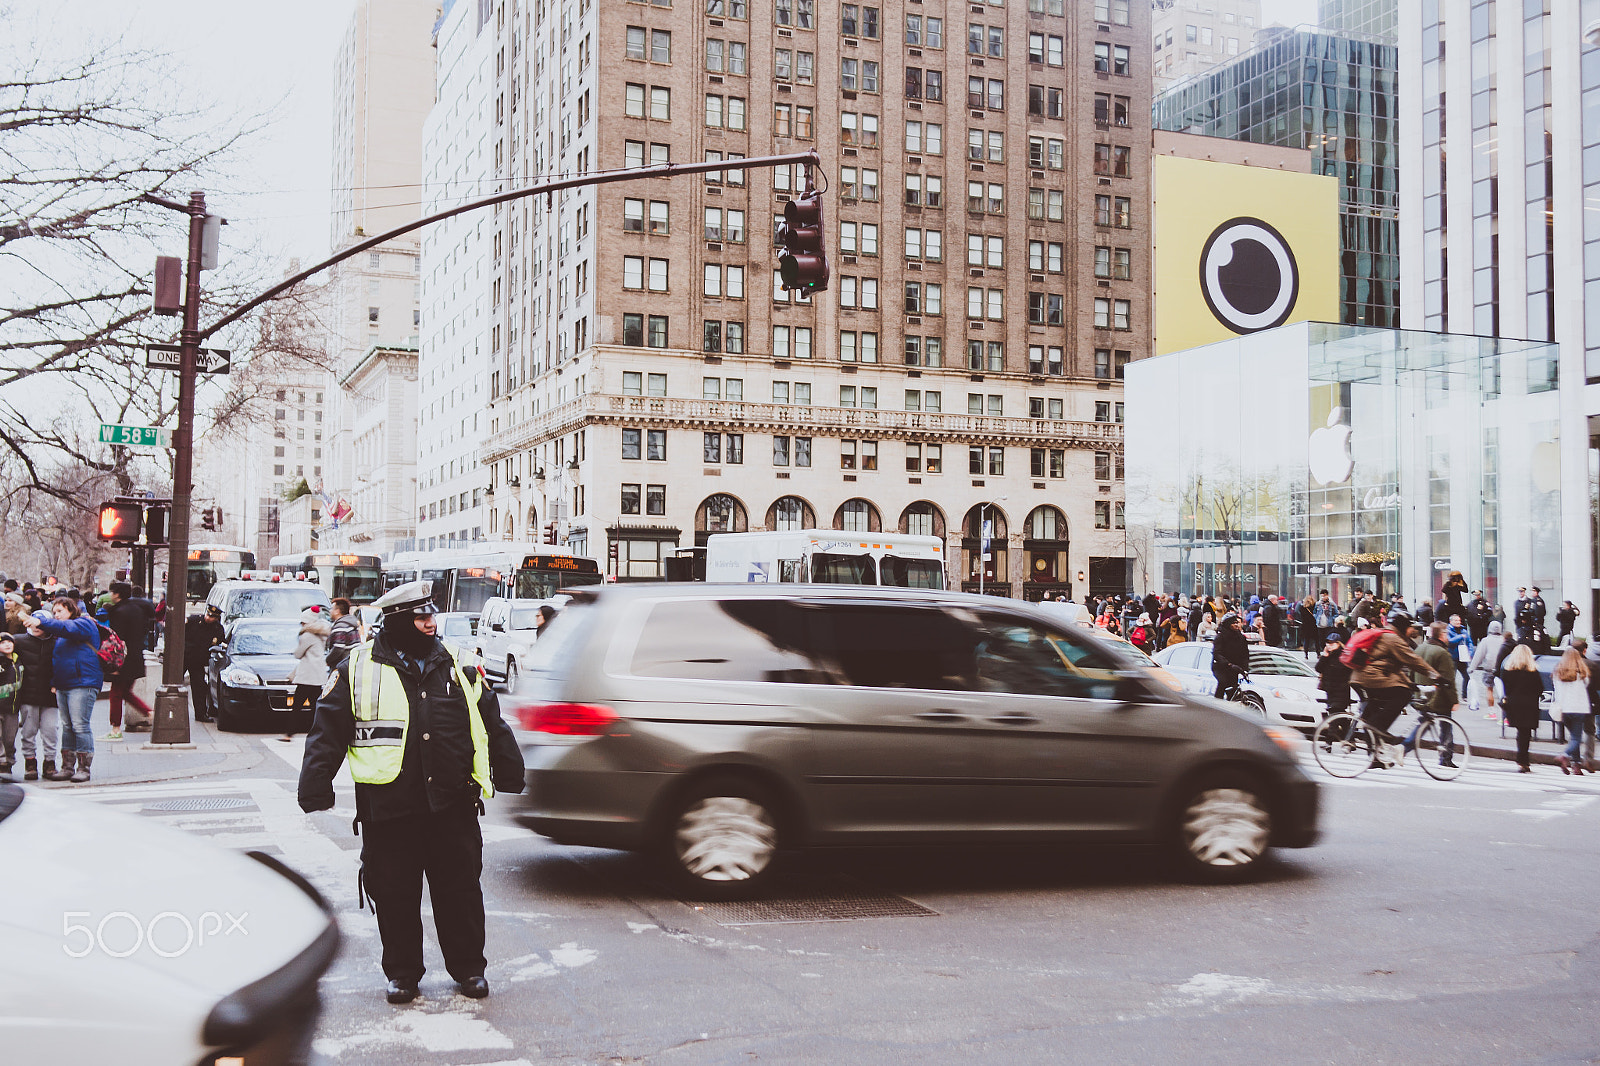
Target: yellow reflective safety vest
383	717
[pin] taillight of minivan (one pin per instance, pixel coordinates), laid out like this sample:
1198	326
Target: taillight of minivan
567	719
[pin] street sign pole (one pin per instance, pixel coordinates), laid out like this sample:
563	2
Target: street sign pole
171	725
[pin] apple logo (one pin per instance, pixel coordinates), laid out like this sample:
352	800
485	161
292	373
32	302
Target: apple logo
1329	449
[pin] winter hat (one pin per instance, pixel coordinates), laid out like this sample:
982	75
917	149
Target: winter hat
311	614
1144	619
1495	629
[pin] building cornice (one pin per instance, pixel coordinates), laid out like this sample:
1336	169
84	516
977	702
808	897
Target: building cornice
667	412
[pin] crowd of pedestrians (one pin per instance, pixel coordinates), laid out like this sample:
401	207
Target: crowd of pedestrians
60	647
1379	651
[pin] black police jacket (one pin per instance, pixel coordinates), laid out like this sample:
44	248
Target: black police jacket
199	636
436	769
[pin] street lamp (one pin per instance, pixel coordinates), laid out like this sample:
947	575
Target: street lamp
983	539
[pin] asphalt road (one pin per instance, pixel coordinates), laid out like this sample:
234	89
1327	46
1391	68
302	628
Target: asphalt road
1438	923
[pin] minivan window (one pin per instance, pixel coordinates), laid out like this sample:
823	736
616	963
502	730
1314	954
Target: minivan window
525	618
725	640
895	646
559	643
1017	657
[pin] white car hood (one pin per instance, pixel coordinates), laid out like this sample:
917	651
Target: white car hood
71	862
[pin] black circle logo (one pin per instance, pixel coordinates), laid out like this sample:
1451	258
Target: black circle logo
1248	275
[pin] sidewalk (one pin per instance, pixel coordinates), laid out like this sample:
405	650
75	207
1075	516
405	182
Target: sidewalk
134	759
1487	743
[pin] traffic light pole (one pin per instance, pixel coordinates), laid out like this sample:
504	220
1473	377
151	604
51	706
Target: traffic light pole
171	725
663	170
172	701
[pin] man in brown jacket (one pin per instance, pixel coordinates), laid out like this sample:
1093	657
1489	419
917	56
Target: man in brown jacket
1386	679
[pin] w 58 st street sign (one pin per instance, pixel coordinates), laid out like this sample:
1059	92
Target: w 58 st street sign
135	436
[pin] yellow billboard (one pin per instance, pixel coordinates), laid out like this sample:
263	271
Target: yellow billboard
1240	249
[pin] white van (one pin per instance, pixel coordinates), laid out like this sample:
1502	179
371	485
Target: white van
506	631
827	557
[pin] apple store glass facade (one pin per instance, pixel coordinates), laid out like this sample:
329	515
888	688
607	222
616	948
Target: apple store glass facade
1322	456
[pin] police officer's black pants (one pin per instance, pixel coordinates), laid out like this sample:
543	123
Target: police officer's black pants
199	693
447	846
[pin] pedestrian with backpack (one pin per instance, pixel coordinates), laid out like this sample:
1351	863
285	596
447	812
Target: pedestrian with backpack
130	621
78	674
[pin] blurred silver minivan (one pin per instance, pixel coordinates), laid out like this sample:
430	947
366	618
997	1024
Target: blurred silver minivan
716	726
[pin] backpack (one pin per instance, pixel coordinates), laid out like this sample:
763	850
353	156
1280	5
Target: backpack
113	649
1358	652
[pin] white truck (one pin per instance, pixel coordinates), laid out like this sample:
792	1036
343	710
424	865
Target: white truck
827	557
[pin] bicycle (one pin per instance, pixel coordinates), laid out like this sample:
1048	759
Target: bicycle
1346	746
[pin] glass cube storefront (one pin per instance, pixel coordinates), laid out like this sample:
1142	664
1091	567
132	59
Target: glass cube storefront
1321	456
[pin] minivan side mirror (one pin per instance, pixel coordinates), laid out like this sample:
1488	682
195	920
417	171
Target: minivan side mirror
1131	688
496	627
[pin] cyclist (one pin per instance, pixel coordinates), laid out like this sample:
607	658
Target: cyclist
1230	657
1435	651
1385	678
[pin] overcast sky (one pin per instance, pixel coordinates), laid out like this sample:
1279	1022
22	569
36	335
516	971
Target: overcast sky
248	57
258	56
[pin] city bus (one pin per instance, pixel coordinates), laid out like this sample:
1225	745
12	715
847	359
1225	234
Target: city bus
210	563
463	579
358	578
827	557
544	573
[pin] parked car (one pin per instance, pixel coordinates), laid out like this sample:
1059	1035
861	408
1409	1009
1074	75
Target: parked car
249	677
715	725
135	943
256	599
1282	685
459	628
506	632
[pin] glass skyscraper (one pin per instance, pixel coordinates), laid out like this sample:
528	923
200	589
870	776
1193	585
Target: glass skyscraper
1376	18
1333	94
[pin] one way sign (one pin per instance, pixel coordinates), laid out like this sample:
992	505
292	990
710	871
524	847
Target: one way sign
207	360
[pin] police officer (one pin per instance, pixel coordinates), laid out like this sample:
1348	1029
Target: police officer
426	744
200	634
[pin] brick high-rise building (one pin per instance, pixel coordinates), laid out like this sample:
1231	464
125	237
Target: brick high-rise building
986	174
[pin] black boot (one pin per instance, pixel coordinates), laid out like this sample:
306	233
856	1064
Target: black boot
30	769
81	774
401	990
52	774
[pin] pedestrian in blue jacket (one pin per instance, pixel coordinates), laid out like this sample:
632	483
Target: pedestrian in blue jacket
78	676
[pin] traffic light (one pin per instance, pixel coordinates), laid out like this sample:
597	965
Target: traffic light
119	523
550	533
207	519
803	262
155	524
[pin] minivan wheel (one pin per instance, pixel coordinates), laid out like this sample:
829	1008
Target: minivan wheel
720	840
1222	829
511	677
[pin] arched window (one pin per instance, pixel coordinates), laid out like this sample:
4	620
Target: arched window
857	516
1046	547
720	513
511	525
922	518
790	513
994	573
1047	523
533	518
